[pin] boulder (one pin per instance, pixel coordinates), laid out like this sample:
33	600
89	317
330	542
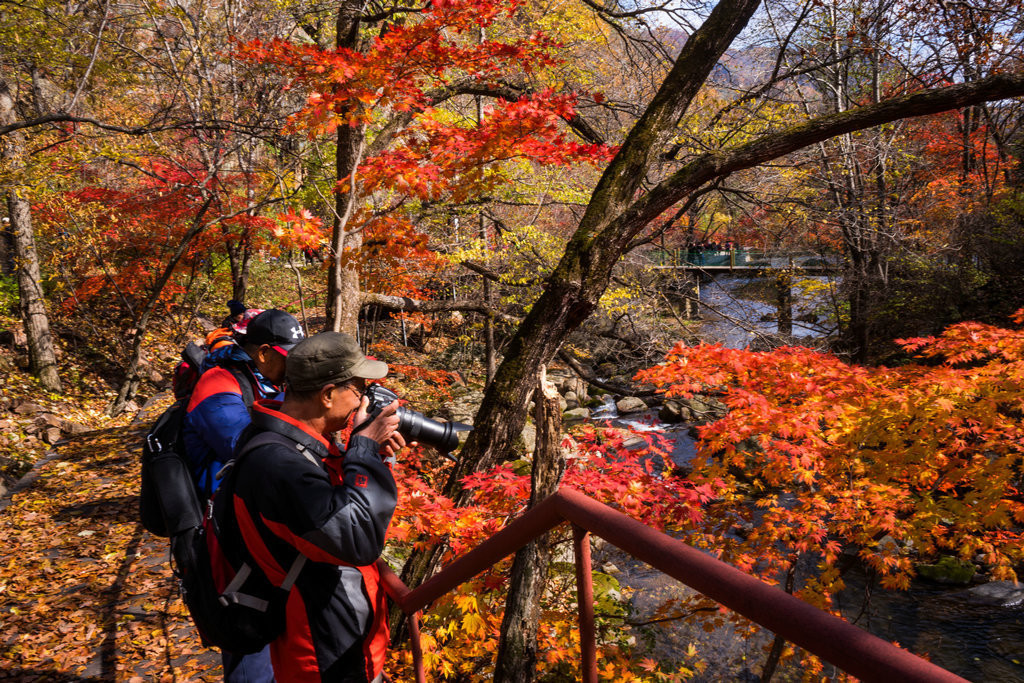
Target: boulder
994	593
14	336
571	400
575	386
51	435
704	408
630	404
462	408
529	435
49	420
576	415
948	570
673	412
70	427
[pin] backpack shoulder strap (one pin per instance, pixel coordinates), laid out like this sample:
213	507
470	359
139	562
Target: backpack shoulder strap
262	439
244	384
231	592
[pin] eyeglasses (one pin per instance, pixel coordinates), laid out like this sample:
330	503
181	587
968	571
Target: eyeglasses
356	389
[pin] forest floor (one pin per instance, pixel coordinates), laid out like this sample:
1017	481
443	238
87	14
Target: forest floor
86	593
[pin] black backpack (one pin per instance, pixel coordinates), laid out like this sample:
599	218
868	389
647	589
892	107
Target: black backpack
233	604
169	501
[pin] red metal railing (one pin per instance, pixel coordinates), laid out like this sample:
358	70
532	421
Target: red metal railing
836	641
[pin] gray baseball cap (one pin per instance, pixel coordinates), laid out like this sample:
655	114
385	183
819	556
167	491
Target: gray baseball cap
329	358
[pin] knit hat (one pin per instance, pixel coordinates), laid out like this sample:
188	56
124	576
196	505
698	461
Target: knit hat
236	307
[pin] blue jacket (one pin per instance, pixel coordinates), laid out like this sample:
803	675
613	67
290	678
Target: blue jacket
217	413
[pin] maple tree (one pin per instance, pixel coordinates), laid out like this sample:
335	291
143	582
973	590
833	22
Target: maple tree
828	461
396	101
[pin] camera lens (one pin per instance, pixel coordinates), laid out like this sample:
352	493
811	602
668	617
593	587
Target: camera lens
416	427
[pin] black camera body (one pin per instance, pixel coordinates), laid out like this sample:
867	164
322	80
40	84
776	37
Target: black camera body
414	426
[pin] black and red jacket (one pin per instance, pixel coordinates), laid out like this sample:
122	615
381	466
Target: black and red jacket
335	509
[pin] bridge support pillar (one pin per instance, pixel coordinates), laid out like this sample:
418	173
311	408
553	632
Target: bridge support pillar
784	299
691	297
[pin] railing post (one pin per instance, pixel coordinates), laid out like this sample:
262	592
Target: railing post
417	649
585	598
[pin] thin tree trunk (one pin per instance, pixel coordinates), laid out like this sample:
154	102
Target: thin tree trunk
517	646
41	355
784	300
343	279
779	643
24	259
130	384
239	258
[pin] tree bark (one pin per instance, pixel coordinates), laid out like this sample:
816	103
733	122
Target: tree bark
343	279
517	646
6	247
41	355
784	300
239	258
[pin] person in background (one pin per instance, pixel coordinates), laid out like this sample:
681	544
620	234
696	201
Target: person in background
232	326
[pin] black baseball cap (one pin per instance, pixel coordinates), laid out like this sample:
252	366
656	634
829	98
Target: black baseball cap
329	358
276	328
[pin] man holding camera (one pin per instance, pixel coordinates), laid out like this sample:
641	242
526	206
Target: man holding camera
297	493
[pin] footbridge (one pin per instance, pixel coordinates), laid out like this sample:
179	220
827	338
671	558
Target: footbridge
750	260
694	265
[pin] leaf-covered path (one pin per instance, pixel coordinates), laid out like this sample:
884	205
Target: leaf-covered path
85	592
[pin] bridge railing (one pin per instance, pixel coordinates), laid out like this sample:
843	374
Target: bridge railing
836	641
736	258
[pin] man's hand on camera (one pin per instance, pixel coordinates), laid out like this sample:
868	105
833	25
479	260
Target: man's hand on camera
397	442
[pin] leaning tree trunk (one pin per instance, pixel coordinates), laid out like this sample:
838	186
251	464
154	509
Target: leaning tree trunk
613	217
517	647
130	383
41	355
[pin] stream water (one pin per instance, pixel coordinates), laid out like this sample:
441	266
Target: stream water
979	638
730	318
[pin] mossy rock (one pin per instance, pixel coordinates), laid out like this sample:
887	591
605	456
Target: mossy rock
948	570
